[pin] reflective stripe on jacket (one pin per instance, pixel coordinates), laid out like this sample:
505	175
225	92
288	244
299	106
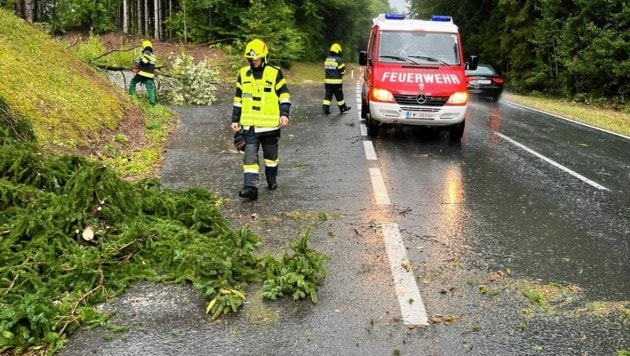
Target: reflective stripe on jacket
334	70
147	64
260	103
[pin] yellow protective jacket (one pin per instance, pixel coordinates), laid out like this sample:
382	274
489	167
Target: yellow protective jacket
146	62
261	101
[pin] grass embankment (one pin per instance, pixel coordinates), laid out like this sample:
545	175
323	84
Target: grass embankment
608	119
72	107
313	72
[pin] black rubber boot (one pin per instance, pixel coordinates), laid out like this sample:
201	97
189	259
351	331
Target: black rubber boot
271	173
345	108
326	109
250	193
271	183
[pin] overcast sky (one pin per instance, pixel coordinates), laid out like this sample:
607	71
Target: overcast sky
400	5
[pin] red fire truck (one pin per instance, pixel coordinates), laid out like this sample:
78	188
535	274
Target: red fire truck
414	74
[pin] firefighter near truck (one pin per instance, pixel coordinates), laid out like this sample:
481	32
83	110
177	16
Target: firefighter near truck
414	74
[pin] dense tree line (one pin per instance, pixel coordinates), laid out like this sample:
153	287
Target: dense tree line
571	48
294	29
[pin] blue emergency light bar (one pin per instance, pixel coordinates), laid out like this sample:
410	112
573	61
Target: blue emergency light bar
442	18
395	16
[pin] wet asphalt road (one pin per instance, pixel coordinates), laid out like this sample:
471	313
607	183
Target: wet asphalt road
464	211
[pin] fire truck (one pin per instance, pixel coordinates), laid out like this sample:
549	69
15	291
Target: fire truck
414	74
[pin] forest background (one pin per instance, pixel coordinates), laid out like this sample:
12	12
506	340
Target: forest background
573	49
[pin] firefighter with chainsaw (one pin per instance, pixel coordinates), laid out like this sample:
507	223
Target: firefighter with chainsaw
145	71
334	69
260	109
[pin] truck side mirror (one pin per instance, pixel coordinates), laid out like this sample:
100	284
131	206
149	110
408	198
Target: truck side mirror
472	62
363	58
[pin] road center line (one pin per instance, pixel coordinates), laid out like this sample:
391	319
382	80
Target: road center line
370	154
554	163
411	305
378	185
363	129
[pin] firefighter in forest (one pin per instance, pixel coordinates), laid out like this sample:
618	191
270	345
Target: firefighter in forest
261	108
334	69
145	71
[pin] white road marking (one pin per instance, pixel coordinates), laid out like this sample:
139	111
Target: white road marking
412	308
411	305
554	163
370	154
378	186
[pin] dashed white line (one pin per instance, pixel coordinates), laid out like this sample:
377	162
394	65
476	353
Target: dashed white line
370	154
411	306
378	186
553	163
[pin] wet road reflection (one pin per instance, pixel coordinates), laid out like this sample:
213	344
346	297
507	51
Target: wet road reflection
518	211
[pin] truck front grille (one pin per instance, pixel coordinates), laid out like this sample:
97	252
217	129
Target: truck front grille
407	100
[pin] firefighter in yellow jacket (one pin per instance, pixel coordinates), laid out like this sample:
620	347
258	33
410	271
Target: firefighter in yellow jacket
261	108
145	71
334	69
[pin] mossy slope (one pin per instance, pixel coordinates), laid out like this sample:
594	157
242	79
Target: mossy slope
72	107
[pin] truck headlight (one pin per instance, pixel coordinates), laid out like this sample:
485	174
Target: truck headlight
382	95
458	98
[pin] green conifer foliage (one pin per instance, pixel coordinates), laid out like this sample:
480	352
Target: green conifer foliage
73	234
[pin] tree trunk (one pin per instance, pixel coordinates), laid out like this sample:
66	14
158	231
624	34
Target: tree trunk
38	11
185	29
170	13
156	19
53	17
125	18
162	16
24	9
146	17
139	16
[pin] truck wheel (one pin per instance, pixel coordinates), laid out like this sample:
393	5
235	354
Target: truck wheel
364	109
456	132
372	126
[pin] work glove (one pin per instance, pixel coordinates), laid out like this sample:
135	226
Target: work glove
239	141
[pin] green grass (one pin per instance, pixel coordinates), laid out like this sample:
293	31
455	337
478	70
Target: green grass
615	121
73	108
54	97
313	72
305	72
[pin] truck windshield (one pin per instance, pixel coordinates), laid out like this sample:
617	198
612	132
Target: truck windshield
419	47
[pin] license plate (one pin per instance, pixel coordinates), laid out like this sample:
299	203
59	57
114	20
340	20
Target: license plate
420	115
484	81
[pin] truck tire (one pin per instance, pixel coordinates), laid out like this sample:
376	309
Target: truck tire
372	126
456	132
364	109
